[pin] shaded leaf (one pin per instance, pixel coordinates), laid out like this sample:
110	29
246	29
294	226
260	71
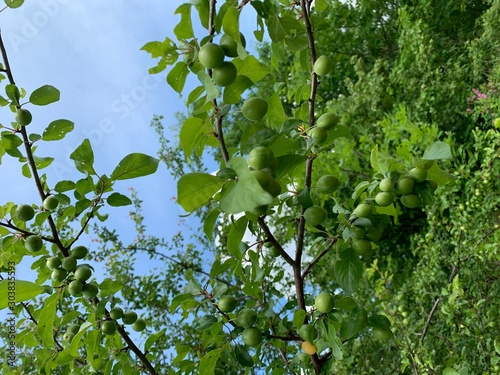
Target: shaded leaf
117	200
348	270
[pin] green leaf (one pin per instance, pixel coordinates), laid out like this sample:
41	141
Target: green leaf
14	3
64	185
439	176
15	291
352	325
135	165
288	163
208	362
276	113
242	356
252	68
41	163
236	233
184	29
208	225
298	318
206	322
177	76
46	318
75	342
3	101
450	371
13	93
109	287
152	339
212	90
117	200
83	157
230	22
246	194
348	270
437	151
195	190
57	130
233	92
45	95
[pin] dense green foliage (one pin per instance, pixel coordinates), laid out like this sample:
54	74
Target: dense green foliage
282	269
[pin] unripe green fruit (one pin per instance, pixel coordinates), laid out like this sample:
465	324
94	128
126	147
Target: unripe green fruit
79	252
262	177
75	288
274	188
363	210
68	336
382	334
33	243
83	273
211	55
404	185
496	123
90	290
327	184
308	332
73	328
386	185
246	318
418	174
230	46
324	302
410	200
251	336
361	246
58	275
116	313
384	198
373	234
327	121
68	263
129	317
322	65
273	252
358	231
318	135
254	109
53	262
227	304
139	325
50	203
315	215
225	74
260	157
108	328
23	117
25	212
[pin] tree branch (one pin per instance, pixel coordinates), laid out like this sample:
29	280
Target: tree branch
319	256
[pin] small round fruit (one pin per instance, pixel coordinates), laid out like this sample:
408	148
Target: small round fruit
25	212
496	123
309	348
53	262
327	120
75	288
362	246
358	231
384	198
324	302
363	210
322	65
50	203
79	252
129	317
382	334
308	332
318	135
386	185
427	165
246	318
260	157
33	243
251	336
227	304
230	46
315	215
116	313
68	336
418	174
211	55
373	234
273	252
139	325
410	200
73	328
23	117
83	273
69	263
327	184
404	185
225	74
262	177
254	109
58	275
274	188
108	328
90	290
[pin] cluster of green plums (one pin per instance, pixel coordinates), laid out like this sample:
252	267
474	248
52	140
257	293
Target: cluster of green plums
109	327
246	318
316	215
212	56
318	134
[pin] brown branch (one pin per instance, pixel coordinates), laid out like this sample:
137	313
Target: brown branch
270	238
319	256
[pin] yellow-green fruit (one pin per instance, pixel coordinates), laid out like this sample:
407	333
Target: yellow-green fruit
254	109
68	263
53	262
251	336
139	325
358	231
324	302
227	304
83	273
25	212
410	200
79	252
50	203
327	184
274	188
386	185
225	74
327	121
382	334
129	317
75	288
260	157
211	55
315	215
418	174
384	198
308	332
58	275
318	135
230	46
309	348
262	177
116	313
361	246
90	290
108	327
246	318
363	210
404	185
33	243
68	336
323	65
496	123
23	117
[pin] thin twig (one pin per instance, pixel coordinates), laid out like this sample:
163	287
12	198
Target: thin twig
270	238
319	256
